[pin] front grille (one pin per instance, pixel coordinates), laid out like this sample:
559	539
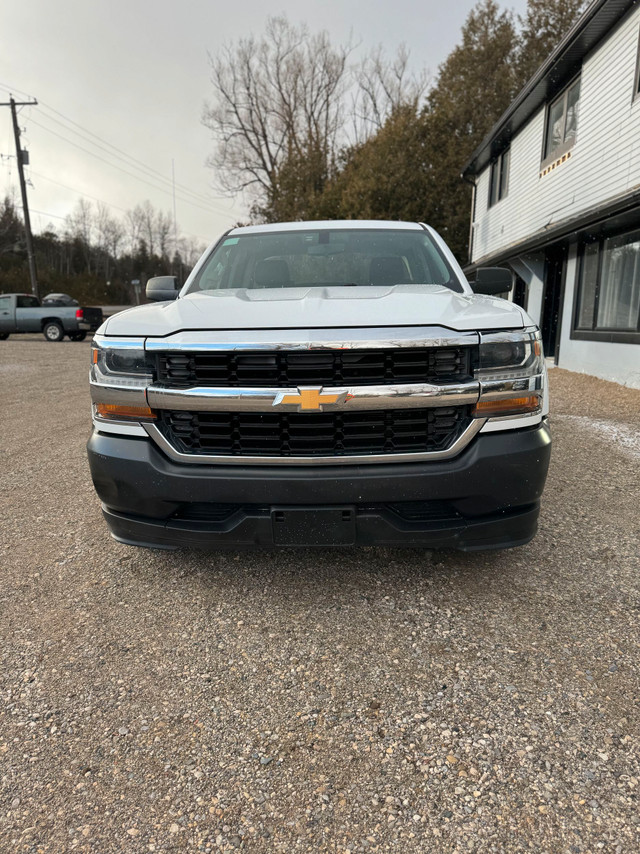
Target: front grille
285	368
296	434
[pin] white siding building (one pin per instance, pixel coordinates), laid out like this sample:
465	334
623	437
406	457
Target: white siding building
557	195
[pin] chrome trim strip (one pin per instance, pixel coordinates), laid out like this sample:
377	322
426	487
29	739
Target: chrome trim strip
411	395
313	339
499	389
120	428
124	395
209	459
105	342
504	336
497	426
498	419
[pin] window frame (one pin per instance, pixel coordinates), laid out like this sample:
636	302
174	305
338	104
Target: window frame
636	77
498	168
564	146
605	334
35	302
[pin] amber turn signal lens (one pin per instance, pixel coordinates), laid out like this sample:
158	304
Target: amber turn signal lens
94	356
507	406
120	413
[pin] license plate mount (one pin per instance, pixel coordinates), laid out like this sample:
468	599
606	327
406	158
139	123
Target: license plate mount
314	526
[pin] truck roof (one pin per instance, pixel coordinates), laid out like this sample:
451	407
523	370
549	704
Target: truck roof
333	224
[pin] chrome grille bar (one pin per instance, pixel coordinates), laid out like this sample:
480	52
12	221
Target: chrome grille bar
347	398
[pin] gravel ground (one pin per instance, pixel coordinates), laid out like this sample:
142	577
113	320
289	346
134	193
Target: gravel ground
372	700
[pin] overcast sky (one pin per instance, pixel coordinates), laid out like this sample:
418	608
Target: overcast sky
135	74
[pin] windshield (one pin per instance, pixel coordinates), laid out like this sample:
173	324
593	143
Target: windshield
323	258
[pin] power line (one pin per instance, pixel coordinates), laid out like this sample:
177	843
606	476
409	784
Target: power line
157	175
147	170
83	194
75	190
46	213
168	192
198	200
135	160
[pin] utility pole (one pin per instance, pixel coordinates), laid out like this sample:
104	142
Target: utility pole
20	154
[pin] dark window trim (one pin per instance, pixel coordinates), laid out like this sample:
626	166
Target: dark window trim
602	335
611	336
492	171
498	165
564	147
636	77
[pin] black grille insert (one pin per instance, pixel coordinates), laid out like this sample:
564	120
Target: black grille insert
295	434
286	368
414	512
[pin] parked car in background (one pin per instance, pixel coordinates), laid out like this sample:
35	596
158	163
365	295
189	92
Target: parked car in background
58	315
322	383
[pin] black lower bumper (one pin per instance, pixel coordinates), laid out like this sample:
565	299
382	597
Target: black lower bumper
487	497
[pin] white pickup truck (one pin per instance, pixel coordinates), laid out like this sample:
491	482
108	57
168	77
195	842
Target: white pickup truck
322	384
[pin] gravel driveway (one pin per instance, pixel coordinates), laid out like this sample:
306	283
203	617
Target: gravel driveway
372	700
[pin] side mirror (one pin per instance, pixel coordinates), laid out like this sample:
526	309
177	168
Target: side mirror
492	281
162	288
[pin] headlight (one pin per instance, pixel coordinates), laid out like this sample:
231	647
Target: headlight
121	365
504	355
121	370
511	371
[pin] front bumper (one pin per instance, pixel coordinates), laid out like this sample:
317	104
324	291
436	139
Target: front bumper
486	497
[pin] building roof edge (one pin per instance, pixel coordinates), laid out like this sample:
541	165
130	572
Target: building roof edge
598	19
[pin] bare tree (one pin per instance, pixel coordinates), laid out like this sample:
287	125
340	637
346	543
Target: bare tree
382	86
109	235
274	99
80	226
163	232
133	226
190	250
148	225
115	236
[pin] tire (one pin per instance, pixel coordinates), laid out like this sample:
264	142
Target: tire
53	331
77	336
4	336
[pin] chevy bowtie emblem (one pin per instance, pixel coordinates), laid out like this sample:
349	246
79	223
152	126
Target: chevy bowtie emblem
309	399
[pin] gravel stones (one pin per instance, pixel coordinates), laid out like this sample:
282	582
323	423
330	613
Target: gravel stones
348	700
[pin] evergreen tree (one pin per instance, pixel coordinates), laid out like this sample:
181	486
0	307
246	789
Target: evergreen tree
541	29
381	178
411	168
475	86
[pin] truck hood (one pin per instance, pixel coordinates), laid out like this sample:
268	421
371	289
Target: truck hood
318	308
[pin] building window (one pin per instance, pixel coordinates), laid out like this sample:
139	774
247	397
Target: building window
499	178
608	298
562	123
636	82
